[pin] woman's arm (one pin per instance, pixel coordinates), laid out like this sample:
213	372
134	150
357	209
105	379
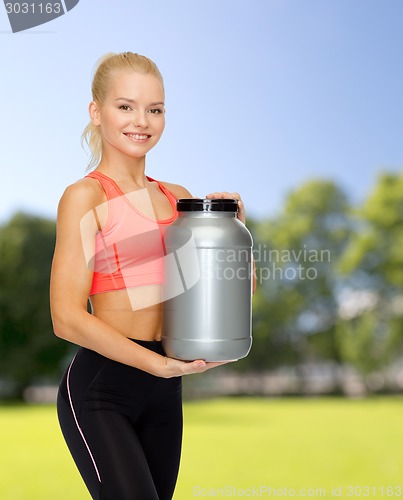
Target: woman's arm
71	280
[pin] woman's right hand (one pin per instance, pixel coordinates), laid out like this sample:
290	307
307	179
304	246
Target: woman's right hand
176	368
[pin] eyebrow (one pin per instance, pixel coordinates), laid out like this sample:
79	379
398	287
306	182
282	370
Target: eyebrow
127	99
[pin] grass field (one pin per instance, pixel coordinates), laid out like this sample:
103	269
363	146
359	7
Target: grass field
233	448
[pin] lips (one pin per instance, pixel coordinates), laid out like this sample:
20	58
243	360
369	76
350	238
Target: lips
138	137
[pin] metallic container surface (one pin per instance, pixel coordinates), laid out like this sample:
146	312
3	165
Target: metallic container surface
207	287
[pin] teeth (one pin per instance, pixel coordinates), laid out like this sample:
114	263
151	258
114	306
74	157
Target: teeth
138	137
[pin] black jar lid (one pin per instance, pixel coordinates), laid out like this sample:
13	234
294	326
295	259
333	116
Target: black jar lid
207	205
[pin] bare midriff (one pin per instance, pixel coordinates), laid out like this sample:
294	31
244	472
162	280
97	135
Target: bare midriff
130	312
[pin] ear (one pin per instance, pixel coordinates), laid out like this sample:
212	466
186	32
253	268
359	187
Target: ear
94	112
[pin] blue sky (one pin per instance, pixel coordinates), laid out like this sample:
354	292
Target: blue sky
260	95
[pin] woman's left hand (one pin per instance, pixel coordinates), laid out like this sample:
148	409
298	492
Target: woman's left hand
234	196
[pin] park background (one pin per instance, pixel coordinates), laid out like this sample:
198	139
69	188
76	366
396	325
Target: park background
296	104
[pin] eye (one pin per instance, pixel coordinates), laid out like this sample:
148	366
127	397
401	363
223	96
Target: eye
156	111
125	107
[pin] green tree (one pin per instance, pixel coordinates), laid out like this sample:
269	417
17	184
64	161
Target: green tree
375	250
295	308
371	334
28	348
368	341
271	309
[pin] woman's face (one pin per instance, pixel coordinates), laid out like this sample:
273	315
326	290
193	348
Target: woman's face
132	117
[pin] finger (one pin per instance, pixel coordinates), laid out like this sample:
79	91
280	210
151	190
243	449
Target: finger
200	365
218	195
195	366
236	196
225	194
214	364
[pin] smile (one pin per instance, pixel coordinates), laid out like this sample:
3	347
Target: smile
138	137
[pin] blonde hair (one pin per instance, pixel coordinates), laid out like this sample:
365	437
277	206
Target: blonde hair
104	69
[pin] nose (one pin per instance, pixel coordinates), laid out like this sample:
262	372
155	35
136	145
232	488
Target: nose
140	119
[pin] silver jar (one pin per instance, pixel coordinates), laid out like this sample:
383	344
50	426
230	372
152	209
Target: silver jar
207	301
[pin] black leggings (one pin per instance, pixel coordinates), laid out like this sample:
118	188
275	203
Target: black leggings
123	426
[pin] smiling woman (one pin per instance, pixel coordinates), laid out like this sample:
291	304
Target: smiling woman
129	65
120	400
138	118
155	108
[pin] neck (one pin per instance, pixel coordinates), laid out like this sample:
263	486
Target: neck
124	168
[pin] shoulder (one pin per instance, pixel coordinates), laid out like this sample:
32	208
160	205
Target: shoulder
177	190
82	195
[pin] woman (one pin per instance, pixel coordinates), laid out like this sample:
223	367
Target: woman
119	402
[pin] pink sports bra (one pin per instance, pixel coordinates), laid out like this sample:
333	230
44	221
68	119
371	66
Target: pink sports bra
129	249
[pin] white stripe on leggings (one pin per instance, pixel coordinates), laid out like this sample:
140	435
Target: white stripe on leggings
75	418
